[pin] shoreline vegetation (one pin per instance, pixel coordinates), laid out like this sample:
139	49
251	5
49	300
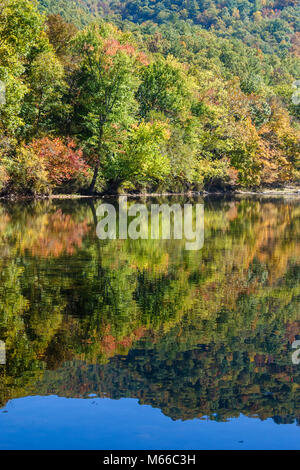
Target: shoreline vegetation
134	101
279	191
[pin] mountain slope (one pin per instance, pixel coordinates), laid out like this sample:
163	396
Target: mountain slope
271	25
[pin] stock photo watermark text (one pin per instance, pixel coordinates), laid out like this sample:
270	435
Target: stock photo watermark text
154	222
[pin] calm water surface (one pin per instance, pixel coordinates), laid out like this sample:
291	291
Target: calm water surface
137	344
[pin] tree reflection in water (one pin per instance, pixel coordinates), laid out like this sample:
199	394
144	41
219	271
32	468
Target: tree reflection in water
196	334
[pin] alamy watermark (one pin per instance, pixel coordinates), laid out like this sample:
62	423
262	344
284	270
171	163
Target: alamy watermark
296	354
154	222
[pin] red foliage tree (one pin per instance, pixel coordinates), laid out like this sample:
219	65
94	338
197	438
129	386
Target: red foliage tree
62	161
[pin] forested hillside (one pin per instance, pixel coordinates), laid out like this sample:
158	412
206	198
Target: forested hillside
135	96
268	24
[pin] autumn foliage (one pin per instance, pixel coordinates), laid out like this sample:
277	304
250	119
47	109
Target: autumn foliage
209	102
63	162
43	165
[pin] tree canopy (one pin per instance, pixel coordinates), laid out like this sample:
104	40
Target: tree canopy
155	96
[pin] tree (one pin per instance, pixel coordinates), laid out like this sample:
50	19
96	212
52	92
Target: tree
43	165
164	88
43	102
20	32
60	34
107	81
140	160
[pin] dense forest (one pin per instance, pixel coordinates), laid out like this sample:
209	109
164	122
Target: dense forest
267	24
108	96
196	334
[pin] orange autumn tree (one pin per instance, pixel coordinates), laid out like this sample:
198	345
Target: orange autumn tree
63	162
45	164
280	146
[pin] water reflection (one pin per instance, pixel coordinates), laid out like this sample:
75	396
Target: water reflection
205	333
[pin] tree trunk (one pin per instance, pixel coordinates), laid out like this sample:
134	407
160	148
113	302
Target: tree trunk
113	186
97	166
94	179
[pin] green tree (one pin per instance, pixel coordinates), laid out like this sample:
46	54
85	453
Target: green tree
43	104
20	31
164	88
141	159
107	81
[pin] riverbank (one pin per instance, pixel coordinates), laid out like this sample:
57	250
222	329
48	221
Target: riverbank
286	191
